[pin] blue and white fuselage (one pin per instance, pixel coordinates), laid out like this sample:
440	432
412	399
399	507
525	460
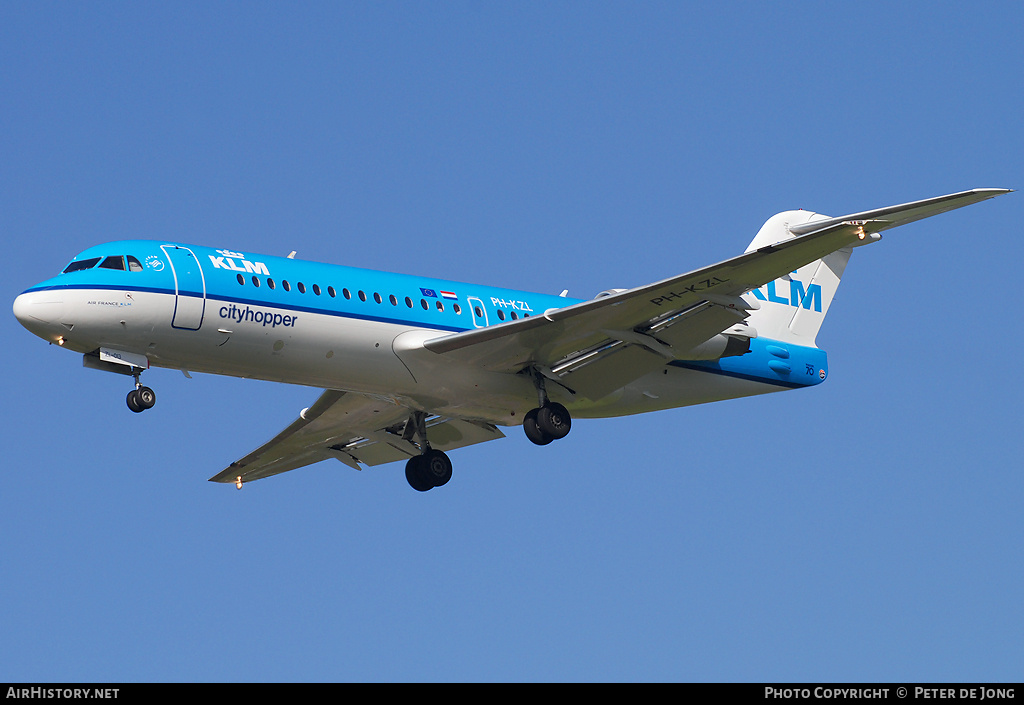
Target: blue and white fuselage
226	312
416	365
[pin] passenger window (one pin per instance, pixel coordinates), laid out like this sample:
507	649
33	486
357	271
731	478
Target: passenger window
362	295
377	297
501	315
408	302
301	287
331	292
255	281
423	303
270	283
134	265
393	300
514	316
285	285
457	309
113	262
316	289
440	306
346	293
241	279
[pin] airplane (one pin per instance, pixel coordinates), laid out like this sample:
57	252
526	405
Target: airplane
413	367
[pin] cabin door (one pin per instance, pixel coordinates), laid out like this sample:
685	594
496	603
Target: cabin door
189	287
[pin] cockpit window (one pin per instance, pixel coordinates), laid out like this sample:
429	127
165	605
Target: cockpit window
113	262
81	264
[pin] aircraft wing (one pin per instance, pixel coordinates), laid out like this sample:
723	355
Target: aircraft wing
355	429
597	346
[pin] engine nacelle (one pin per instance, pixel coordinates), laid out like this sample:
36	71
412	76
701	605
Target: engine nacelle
609	292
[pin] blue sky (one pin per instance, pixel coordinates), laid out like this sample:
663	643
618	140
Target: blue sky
865	530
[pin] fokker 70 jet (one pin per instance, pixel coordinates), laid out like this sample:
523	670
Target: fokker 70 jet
413	367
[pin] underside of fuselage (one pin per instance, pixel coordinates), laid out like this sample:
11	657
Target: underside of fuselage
367	357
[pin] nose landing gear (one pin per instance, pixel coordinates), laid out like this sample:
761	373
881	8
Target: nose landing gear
140	398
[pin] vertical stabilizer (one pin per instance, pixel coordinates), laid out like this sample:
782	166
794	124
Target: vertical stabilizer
793	307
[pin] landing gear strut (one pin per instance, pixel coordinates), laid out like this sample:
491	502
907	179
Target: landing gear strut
431	468
140	398
548	422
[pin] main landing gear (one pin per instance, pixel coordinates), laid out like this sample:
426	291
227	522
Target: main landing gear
428	470
548	422
140	398
431	468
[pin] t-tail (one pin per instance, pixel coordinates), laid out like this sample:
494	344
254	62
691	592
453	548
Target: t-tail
793	307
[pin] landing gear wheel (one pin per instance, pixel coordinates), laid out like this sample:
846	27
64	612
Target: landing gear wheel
133	401
427	471
436	467
533	430
415	476
146	397
140	399
554	420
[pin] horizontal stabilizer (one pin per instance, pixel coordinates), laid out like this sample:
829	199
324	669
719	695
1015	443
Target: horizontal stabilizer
893	216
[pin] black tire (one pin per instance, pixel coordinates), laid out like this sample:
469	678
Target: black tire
436	467
554	420
146	397
533	431
133	402
415	475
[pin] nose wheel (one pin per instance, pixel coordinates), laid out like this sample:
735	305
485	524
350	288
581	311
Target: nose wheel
140	398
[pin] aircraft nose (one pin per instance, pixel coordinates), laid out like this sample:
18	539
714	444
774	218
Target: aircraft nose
40	312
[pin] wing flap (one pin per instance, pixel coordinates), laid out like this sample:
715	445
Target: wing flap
630	354
355	429
599	377
388	446
336	419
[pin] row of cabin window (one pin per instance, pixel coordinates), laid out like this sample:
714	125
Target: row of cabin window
363	297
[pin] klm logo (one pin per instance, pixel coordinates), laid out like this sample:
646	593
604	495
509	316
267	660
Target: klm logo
798	295
227	261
